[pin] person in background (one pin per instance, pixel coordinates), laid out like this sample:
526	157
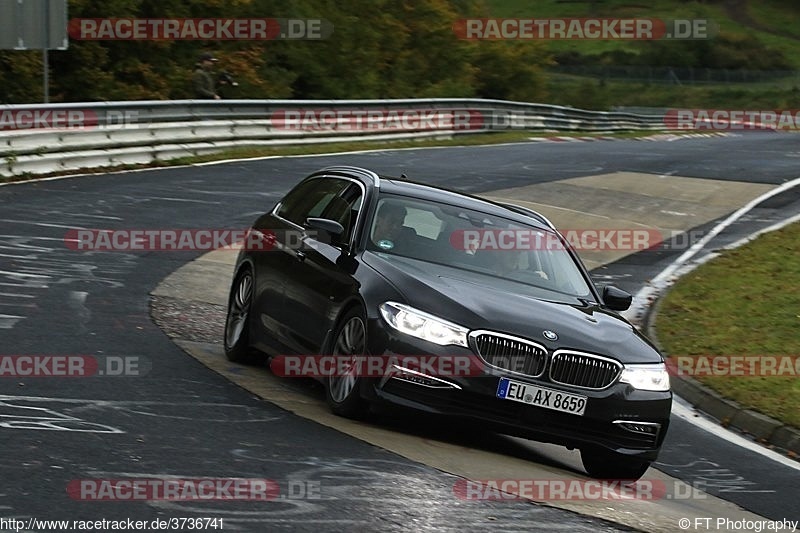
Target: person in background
202	79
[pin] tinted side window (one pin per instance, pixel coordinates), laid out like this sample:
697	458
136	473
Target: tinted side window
310	198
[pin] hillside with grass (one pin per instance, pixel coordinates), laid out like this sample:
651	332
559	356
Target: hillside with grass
765	33
752	62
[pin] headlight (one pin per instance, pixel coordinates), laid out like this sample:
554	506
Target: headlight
646	377
422	325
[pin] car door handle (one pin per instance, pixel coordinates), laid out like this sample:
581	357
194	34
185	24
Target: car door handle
301	256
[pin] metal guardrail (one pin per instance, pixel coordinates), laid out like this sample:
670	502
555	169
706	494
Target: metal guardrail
48	138
636	110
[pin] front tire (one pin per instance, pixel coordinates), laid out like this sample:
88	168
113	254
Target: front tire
343	392
237	320
605	464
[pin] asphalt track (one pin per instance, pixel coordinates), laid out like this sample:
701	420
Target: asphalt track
183	420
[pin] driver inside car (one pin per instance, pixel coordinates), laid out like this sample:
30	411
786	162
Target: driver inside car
388	232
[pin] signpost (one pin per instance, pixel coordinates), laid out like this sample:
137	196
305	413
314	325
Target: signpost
34	25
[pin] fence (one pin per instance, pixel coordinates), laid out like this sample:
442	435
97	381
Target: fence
677	75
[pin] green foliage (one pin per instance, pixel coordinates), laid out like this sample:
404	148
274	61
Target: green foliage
510	70
725	51
20	71
378	49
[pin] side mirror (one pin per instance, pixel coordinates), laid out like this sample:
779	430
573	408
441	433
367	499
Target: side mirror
331	228
616	299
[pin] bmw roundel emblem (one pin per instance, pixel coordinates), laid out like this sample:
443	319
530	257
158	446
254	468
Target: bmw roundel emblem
550	335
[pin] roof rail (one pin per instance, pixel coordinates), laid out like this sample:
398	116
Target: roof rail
376	180
532	213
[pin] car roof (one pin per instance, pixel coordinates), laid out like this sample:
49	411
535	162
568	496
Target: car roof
404	187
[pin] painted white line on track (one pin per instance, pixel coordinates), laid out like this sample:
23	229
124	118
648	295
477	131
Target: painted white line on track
670	274
682	409
778	225
685	269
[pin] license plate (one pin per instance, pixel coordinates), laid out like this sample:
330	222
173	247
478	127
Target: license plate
565	402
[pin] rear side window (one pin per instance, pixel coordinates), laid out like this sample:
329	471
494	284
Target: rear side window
310	199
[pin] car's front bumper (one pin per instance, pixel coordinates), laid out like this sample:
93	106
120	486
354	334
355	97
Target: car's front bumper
474	398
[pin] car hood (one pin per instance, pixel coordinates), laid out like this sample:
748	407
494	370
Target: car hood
480	301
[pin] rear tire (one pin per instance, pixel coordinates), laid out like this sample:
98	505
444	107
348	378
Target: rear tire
237	321
605	464
343	393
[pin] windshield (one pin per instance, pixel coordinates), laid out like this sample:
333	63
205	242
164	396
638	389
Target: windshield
476	242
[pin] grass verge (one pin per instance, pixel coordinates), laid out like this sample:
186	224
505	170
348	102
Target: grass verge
745	302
